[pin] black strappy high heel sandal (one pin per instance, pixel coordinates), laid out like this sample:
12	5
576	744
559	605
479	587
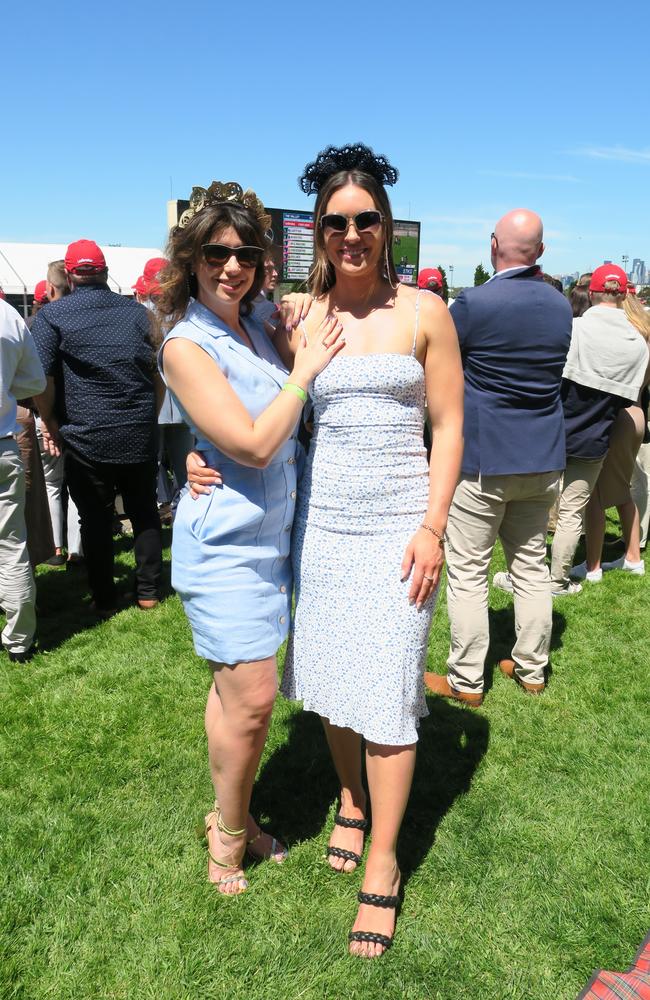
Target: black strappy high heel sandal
340	852
372	937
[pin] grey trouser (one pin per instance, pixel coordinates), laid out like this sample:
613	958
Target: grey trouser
17	589
515	509
54	484
580	478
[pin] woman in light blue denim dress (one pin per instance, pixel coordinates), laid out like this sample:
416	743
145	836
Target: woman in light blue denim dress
230	552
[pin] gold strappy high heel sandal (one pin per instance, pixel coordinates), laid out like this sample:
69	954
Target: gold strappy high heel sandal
278	852
232	870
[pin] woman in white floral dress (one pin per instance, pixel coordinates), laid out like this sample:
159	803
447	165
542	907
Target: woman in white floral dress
367	544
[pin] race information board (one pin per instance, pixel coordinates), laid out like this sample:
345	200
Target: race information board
297	245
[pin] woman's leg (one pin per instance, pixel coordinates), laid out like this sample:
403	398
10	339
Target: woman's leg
345	747
390	773
641	489
631	525
594	532
237	717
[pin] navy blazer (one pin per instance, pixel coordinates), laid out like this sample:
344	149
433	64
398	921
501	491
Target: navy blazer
514	334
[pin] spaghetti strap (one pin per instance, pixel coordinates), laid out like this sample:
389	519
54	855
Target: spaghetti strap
417	320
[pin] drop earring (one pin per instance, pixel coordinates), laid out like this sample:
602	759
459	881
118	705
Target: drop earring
387	268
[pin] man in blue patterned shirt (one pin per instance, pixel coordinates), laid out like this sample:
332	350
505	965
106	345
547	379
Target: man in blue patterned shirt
99	407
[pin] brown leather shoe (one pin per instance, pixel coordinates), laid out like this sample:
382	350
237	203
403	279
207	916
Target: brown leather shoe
438	684
148	605
507	668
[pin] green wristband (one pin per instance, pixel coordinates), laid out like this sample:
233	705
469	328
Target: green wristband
300	393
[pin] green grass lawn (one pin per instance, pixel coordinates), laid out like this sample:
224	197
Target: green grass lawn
525	848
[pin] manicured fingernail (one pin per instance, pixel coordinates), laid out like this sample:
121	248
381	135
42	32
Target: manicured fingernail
411	600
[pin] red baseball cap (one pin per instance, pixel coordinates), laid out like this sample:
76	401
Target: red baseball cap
631	289
608	272
153	268
40	292
140	287
150	274
84	257
430	277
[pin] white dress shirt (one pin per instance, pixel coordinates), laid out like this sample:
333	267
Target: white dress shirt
21	372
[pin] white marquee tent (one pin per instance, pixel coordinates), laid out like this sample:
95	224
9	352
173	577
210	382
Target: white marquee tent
22	265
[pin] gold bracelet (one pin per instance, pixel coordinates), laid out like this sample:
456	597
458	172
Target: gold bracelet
434	531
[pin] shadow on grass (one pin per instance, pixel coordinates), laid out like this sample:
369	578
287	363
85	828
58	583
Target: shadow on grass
297	786
298	783
63	600
453	741
502	637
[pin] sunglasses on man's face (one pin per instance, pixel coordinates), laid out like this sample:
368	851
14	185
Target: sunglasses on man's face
217	254
363	221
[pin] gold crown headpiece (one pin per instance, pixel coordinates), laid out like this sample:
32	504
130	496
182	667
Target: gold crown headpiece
219	193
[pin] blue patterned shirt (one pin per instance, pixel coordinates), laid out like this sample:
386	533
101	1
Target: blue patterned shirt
96	345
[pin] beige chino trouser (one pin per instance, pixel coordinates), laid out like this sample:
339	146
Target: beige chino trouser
641	488
580	478
17	589
514	508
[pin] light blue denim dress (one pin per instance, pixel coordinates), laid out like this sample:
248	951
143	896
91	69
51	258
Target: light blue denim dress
230	550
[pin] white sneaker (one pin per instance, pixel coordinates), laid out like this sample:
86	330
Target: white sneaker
502	581
637	569
571	588
580	572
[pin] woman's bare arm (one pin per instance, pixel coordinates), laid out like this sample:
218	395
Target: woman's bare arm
219	414
444	389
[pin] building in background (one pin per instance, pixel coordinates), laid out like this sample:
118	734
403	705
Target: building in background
639	272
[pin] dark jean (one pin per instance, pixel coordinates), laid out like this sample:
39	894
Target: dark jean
93	486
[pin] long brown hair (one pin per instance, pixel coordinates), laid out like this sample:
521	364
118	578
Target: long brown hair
323	275
178	281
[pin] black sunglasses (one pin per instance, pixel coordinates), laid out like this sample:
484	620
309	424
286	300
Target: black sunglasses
362	221
217	254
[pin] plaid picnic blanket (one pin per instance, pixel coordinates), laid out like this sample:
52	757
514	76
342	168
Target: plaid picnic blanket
631	985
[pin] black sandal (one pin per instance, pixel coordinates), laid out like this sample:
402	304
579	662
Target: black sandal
340	852
371	937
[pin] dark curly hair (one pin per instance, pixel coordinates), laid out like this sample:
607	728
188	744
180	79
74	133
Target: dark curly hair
178	281
353	156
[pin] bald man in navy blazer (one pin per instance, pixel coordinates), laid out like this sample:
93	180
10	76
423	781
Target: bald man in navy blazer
514	334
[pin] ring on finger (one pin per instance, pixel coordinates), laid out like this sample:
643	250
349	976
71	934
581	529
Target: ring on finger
431	578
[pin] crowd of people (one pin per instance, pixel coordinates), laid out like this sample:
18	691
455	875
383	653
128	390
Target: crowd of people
340	448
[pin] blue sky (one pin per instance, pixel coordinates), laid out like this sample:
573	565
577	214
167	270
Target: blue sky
482	108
